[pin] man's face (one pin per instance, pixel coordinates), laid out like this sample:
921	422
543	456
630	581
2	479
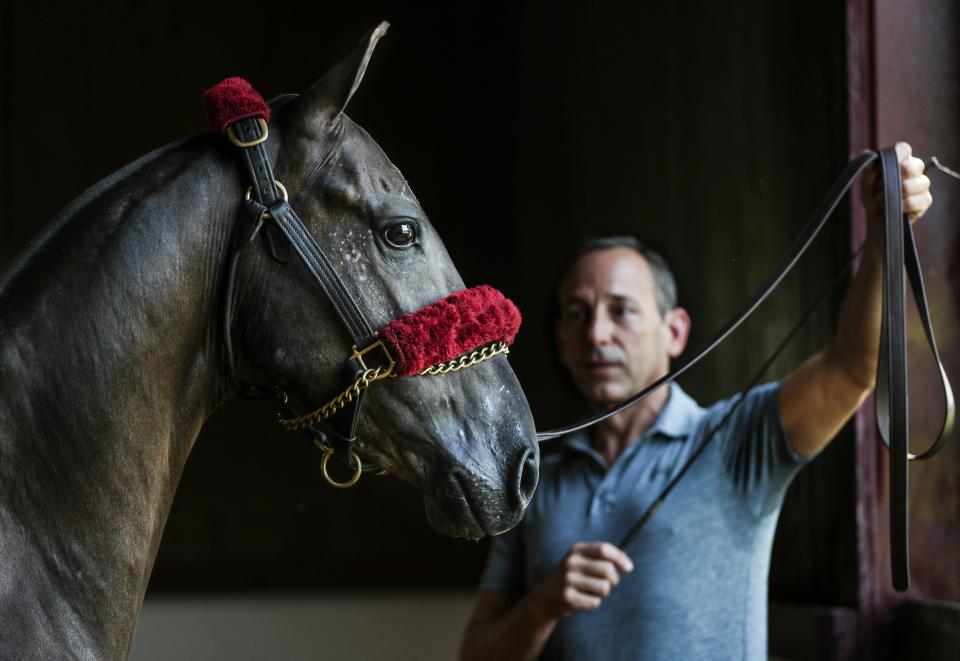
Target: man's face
610	334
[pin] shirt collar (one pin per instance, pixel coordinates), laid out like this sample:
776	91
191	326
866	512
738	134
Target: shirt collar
678	416
676	420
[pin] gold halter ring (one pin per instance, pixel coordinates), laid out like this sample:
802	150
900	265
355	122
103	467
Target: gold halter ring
354	459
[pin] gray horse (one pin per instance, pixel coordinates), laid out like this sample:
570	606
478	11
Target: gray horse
111	358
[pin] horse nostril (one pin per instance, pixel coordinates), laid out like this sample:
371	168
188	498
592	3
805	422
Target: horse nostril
527	478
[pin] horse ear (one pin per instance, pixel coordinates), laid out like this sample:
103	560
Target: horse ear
327	98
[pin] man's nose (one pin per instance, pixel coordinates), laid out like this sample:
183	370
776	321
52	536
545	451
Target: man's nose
600	329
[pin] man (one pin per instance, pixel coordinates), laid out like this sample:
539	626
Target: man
699	589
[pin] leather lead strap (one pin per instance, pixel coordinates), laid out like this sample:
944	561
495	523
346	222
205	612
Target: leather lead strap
915	276
891	401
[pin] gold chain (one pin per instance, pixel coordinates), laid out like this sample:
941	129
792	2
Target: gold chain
373	375
352	391
467	360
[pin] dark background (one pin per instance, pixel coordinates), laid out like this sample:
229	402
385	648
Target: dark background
709	130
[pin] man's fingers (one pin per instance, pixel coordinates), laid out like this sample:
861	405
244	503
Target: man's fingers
597	587
603	569
588	573
605	551
573	599
916	184
903	150
911	167
917	205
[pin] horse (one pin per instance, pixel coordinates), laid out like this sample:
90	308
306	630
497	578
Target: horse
111	358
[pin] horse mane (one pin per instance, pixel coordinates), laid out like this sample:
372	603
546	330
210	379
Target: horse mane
108	201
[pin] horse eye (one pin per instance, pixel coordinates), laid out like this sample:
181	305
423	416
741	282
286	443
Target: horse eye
401	233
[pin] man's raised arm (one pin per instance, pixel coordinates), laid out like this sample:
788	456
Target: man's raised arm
826	390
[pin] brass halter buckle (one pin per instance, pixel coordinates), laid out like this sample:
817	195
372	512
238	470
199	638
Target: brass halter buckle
386	367
264	133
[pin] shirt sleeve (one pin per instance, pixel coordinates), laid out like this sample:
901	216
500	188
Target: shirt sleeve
754	446
504	571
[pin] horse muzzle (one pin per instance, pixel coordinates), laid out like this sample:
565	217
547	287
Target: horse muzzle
472	504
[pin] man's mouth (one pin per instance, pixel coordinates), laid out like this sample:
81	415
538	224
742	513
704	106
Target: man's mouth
602	367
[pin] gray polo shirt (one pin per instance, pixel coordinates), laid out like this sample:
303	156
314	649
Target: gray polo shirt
699	587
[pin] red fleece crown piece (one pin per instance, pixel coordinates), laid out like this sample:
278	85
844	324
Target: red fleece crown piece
451	327
231	100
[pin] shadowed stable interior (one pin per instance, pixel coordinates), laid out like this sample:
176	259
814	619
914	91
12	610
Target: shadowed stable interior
711	133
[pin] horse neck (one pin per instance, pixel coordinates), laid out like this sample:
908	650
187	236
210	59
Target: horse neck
108	336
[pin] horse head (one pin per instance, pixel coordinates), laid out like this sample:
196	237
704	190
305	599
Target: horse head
466	438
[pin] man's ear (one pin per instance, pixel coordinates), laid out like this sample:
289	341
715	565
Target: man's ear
678	324
326	99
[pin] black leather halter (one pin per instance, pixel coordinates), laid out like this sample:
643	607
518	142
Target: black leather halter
265	200
891	392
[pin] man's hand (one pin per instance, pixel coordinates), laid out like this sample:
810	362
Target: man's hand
914	186
504	626
582	580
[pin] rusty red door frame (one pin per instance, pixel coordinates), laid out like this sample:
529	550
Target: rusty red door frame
889	43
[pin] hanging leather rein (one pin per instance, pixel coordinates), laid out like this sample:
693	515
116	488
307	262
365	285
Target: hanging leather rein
456	332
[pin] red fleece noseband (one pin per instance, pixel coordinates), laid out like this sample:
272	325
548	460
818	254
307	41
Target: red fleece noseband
451	327
231	100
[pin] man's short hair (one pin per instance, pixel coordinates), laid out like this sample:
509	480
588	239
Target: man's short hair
665	285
